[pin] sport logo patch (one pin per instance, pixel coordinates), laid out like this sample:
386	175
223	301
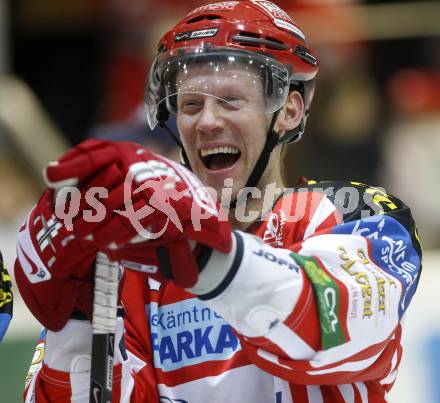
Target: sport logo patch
201	33
223	6
273	10
273	235
280	17
34	273
33	267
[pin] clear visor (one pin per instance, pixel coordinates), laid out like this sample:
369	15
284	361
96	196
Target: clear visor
181	80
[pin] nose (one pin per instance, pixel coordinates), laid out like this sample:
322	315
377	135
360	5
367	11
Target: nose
209	120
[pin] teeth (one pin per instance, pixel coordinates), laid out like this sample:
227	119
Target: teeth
219	150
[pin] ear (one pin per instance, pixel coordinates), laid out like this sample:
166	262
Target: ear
291	113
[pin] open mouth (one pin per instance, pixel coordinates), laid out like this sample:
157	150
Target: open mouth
217	158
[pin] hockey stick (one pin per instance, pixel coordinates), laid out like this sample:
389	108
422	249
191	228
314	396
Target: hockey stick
104	328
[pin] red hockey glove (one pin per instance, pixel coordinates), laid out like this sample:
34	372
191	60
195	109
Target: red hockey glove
54	268
153	205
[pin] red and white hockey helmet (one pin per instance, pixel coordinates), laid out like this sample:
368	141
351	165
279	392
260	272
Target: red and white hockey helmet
255	36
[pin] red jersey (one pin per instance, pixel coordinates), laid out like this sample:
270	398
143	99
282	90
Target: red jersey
342	272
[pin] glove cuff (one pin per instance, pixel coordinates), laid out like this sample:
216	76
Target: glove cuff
254	287
217	270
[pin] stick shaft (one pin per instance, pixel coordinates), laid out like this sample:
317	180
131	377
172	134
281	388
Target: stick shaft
104	329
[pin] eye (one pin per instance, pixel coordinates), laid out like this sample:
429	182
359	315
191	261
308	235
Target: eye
190	106
232	102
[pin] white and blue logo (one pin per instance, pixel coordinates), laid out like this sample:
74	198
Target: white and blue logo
391	249
187	333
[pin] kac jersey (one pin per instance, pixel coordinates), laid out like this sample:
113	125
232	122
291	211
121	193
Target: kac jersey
353	253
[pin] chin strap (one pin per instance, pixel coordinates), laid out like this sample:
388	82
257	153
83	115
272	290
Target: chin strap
272	141
263	159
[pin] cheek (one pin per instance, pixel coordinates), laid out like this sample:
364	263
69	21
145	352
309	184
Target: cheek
255	129
184	128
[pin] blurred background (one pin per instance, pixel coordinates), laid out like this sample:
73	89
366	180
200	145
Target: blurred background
71	70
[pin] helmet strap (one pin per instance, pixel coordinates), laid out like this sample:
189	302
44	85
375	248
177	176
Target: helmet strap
292	136
183	155
170	132
184	158
263	159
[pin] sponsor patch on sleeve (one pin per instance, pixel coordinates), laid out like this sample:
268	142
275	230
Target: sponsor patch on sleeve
327	298
188	333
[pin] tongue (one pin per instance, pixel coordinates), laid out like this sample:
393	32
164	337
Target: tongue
221	161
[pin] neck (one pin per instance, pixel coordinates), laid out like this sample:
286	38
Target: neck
250	210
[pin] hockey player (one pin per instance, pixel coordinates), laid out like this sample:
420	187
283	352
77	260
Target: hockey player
6	299
302	304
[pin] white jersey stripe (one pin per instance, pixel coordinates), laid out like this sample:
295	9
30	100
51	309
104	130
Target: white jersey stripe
354	366
390	378
314	394
286	339
347	392
129	367
363	391
325	208
127	383
393	371
283	389
271	358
